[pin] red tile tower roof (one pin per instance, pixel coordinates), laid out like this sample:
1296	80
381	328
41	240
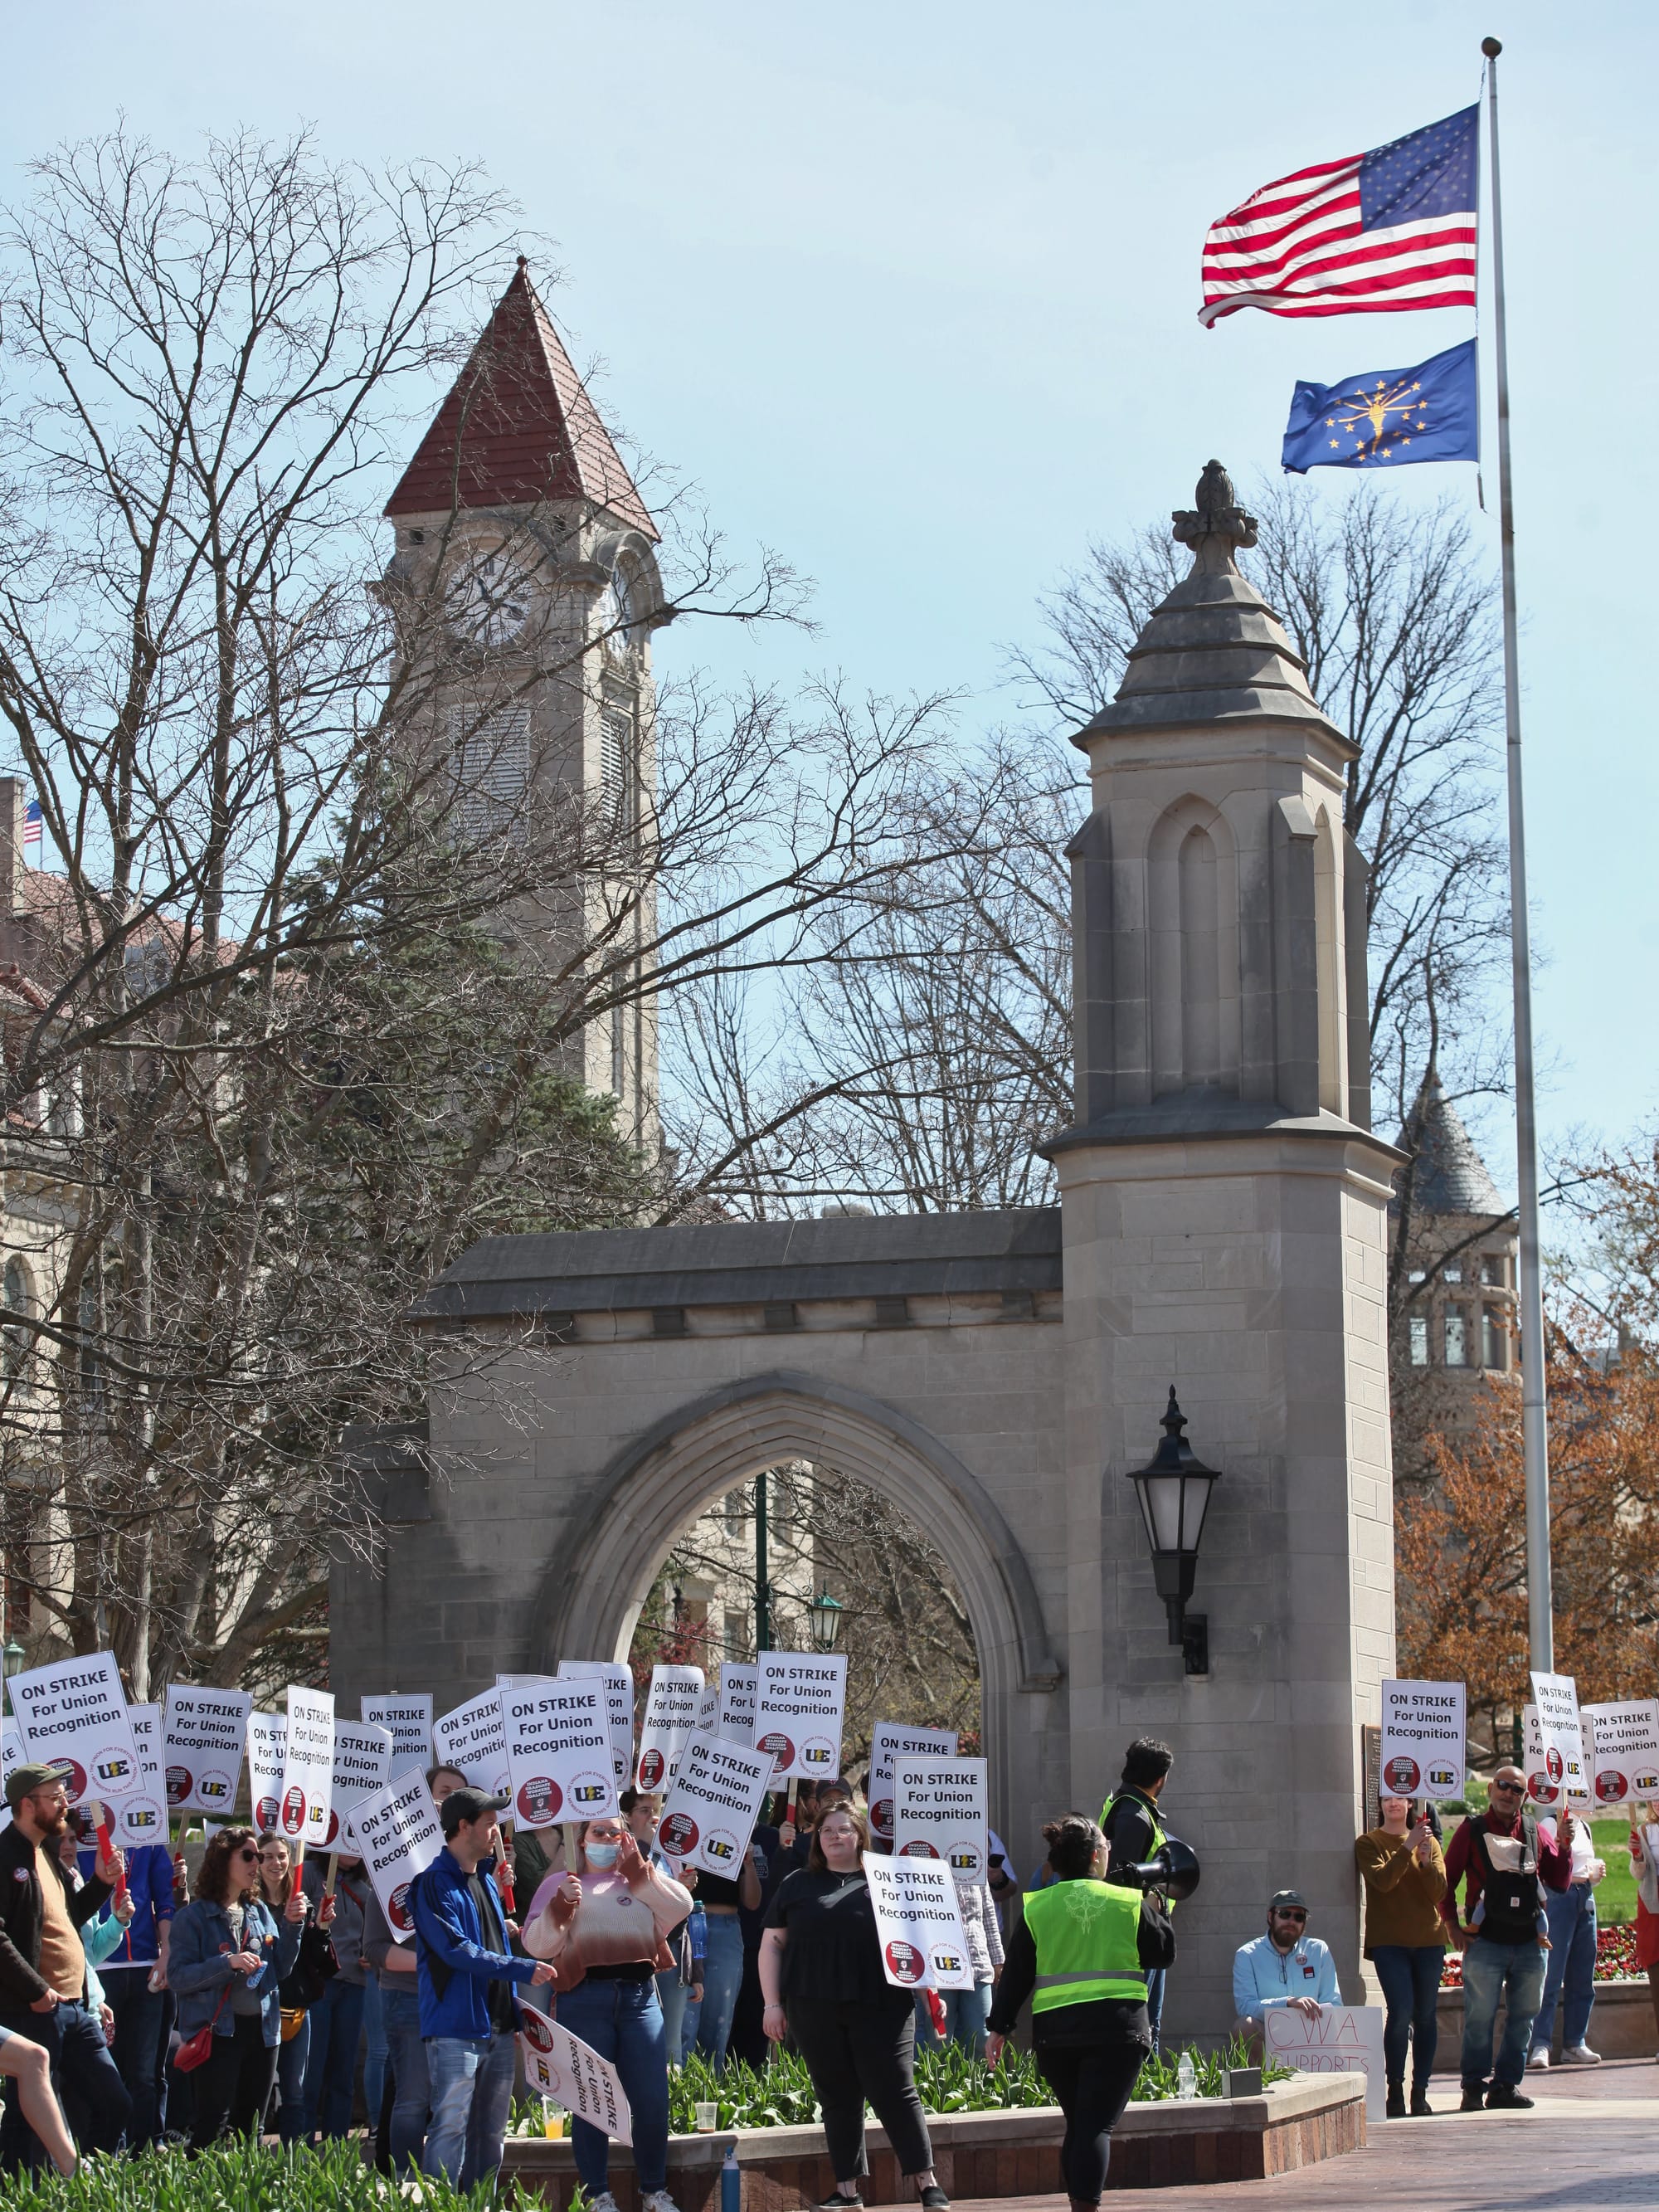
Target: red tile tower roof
517	428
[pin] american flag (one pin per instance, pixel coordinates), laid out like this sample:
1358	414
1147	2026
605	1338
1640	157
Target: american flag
1387	230
32	822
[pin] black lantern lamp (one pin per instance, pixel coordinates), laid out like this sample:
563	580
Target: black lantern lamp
824	1612
1174	1490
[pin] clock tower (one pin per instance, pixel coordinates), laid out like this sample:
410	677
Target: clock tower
527	561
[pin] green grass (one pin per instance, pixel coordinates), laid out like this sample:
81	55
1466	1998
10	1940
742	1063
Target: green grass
1615	1897
237	2177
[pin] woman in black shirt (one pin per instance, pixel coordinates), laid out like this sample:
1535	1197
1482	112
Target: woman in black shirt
821	1975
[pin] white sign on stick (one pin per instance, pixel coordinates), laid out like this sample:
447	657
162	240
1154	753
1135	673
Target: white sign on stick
671	1715
939	1812
1623	1743
204	1732
799	1704
556	2064
267	1745
894	1740
740	1688
11	1755
1421	1752
73	1713
558	1753
918	1923
1341	2040
363	1767
407	1717
1561	1732
618	1683
143	1818
1539	1788
714	1802
469	1739
307	1767
398	1834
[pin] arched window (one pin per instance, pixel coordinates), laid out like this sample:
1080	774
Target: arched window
1200	959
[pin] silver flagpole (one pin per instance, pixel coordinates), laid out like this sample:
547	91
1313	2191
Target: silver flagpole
1534	1432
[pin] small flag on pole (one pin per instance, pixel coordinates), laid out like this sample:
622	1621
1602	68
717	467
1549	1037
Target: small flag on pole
1392	415
32	822
1372	233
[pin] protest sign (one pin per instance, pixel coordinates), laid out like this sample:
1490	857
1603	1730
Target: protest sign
407	1718
204	1732
893	1739
307	1767
1423	1732
918	1923
938	1813
556	2064
73	1713
1561	1732
558	1753
670	1714
469	1739
798	1708
267	1741
708	1710
1539	1788
1623	1748
398	1833
618	1683
739	1685
142	1818
361	1768
11	1755
714	1802
1339	2040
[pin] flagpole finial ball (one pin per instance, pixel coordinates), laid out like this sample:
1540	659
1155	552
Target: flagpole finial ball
1491	48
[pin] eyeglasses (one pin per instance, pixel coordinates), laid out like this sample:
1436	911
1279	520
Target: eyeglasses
1506	1789
1288	1912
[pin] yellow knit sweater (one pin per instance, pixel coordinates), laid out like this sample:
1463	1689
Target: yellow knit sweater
1402	1899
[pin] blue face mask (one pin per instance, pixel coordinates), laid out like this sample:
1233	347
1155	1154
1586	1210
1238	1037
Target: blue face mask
601	1855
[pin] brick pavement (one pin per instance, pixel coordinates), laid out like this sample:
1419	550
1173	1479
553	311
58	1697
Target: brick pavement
1592	2140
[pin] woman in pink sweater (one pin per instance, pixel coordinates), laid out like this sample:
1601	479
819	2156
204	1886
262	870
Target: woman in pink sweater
603	1927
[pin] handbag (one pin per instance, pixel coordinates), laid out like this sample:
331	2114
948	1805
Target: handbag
293	2019
195	2050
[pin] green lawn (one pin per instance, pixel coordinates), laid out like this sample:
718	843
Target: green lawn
1615	1897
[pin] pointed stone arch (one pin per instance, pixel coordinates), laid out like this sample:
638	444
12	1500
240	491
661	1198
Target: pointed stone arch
1192	909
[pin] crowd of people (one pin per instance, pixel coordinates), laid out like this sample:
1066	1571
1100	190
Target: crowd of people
137	2006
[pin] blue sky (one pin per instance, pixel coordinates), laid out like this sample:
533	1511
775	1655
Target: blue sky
909	292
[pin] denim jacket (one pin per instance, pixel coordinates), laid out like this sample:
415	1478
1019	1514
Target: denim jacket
199	1970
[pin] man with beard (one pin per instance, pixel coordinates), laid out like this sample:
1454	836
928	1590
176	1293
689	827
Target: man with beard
43	1968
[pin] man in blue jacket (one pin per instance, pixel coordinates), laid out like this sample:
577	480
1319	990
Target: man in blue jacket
466	1974
1284	1968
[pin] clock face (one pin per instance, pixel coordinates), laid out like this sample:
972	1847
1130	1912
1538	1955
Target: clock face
489	601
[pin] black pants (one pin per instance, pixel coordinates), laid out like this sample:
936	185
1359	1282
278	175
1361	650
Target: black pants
84	2075
234	2085
860	2053
1092	2081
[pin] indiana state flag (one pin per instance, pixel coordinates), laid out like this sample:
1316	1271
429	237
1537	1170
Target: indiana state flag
1387	416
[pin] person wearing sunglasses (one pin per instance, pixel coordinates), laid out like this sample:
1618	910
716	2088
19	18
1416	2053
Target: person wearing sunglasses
1500	1857
1285	1967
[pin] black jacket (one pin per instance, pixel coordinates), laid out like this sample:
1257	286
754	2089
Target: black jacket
22	1913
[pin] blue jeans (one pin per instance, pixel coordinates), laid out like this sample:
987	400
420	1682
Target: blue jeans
291	2058
622	2021
336	2026
1514	1972
1410	1975
400	2010
965	2015
1155	1999
471	2102
1569	1968
374	2051
722	1978
140	2019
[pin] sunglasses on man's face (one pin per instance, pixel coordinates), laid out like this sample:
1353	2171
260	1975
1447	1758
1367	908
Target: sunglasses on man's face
1288	1912
1507	1789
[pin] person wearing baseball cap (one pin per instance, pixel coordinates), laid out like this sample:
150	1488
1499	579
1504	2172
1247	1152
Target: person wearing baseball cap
1285	1967
465	1978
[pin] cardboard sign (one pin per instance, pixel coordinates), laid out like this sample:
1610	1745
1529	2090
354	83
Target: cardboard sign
267	1744
798	1712
1422	1749
557	2065
363	1767
894	1740
739	1689
714	1802
204	1733
398	1833
143	1819
919	1922
938	1813
407	1718
558	1753
1561	1732
1342	2039
671	1715
618	1683
73	1713
470	1739
307	1767
1624	1743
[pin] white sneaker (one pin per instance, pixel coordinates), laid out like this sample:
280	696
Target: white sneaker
1580	2054
1537	2061
604	2201
658	2200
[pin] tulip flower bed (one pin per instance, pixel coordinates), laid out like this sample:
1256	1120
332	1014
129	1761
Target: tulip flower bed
1615	1958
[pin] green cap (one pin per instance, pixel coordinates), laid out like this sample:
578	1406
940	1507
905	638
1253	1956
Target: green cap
24	1780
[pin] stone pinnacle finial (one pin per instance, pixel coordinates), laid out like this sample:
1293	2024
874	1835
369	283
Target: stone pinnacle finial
1217	517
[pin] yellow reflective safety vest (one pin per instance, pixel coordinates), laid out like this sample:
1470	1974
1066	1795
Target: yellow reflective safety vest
1141	1805
1087	1935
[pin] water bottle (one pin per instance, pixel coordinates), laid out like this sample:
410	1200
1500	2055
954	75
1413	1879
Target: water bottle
1186	2077
731	2181
699	1936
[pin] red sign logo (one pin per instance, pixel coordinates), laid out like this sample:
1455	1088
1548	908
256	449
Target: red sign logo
178	1781
1554	1766
539	1801
919	1848
652	1764
1541	1789
1401	1776
905	1962
397	1911
781	1747
678	1834
881	1816
265	1813
1610	1786
536	2029
293	1811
